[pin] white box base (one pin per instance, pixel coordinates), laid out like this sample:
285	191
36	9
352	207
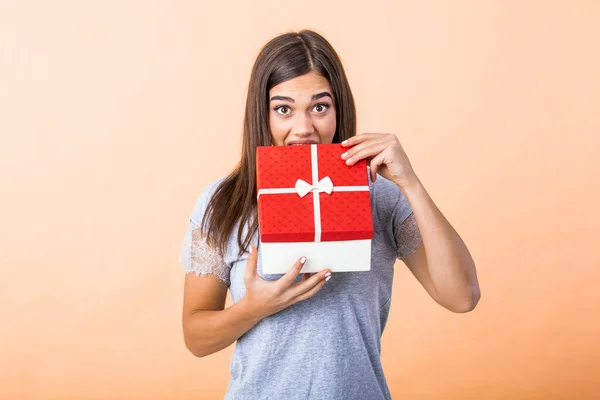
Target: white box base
338	256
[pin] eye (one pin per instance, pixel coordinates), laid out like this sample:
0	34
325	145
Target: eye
283	110
321	108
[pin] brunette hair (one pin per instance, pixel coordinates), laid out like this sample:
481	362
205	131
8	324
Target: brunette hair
282	58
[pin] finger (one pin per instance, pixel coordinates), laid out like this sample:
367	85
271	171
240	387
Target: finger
374	164
370	151
300	288
288	278
250	271
365	140
311	292
361	137
364	145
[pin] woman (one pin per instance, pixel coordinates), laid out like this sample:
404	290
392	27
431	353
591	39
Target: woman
311	336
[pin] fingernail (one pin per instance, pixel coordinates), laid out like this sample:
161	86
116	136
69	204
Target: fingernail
349	160
327	276
302	260
345	154
345	141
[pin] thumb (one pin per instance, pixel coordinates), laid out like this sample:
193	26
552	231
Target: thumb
251	263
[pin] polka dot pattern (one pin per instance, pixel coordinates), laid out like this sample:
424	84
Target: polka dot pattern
332	165
290	218
286	218
282	166
346	216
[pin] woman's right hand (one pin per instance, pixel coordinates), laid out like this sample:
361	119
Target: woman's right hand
269	297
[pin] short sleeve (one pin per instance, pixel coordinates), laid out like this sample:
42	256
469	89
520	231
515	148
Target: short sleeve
195	255
406	230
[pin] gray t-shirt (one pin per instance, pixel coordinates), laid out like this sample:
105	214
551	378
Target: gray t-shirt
328	346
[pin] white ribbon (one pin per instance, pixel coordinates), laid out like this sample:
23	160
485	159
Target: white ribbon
325	185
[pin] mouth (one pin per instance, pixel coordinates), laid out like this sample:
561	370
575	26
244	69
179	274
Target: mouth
302	142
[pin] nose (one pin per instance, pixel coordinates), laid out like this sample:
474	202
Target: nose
303	125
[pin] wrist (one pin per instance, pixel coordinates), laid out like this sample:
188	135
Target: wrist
248	311
410	185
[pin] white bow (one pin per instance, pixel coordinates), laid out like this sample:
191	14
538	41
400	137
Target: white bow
324	185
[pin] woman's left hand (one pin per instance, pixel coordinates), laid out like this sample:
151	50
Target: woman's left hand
384	154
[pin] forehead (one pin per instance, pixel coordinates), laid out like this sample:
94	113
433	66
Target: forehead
302	86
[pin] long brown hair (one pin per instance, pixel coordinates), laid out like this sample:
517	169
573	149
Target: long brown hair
284	57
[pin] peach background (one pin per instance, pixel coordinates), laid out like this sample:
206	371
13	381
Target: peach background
114	115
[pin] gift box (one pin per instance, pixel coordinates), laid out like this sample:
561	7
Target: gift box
310	203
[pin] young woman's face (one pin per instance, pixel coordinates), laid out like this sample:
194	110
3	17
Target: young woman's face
301	111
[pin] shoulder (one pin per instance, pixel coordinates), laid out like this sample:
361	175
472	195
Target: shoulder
203	198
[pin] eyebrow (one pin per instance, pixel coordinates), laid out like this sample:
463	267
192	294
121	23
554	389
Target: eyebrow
315	97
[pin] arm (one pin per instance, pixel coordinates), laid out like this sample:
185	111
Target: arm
208	327
442	263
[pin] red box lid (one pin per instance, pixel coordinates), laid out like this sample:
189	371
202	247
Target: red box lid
343	214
